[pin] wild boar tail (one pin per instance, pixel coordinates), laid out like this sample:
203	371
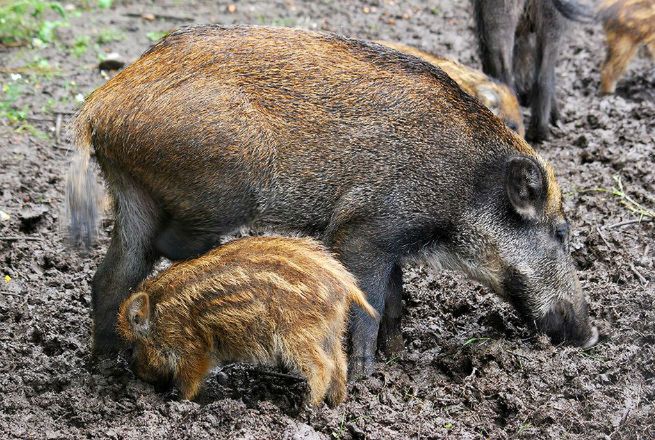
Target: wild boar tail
359	298
83	194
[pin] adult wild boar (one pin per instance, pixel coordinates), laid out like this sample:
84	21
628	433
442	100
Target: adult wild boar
378	153
519	44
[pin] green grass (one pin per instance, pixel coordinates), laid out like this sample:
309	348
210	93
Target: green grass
39	66
156	36
11	92
21	21
523	427
106	36
90	4
475	341
80	45
392	360
36	21
591	353
628	202
618	191
11	113
341	430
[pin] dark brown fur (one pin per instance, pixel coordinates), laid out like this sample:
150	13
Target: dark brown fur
264	300
378	153
628	24
496	96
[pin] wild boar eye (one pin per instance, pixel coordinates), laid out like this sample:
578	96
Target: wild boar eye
562	232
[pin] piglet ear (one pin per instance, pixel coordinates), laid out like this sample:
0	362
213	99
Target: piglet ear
526	187
138	314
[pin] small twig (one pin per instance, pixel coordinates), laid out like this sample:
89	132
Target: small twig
58	128
12	294
39	119
603	237
472	373
16	238
626	413
280	375
519	355
260	371
629	222
643	280
160	16
13	44
646	249
12	70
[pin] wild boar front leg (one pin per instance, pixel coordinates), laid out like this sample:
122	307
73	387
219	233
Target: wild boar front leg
372	267
129	260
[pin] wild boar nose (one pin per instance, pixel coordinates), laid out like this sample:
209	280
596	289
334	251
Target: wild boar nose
593	339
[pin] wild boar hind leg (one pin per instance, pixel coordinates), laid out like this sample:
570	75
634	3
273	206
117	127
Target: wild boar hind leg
549	32
128	261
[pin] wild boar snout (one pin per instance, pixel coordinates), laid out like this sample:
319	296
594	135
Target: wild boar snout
557	307
565	323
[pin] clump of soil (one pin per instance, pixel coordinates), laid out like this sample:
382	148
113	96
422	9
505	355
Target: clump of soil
470	368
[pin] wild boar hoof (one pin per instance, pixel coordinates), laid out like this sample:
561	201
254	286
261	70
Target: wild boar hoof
393	345
537	133
593	339
359	367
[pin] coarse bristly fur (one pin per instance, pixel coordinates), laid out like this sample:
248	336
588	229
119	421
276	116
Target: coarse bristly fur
379	154
496	96
628	24
264	300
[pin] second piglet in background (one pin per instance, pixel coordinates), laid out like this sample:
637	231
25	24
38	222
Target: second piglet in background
628	24
264	300
496	96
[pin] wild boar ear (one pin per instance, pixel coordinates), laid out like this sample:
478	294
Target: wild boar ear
138	314
489	98
526	187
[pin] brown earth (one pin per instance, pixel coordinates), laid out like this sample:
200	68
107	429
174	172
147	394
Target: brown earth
470	368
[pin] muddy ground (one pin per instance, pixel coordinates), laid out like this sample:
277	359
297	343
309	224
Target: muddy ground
470	369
